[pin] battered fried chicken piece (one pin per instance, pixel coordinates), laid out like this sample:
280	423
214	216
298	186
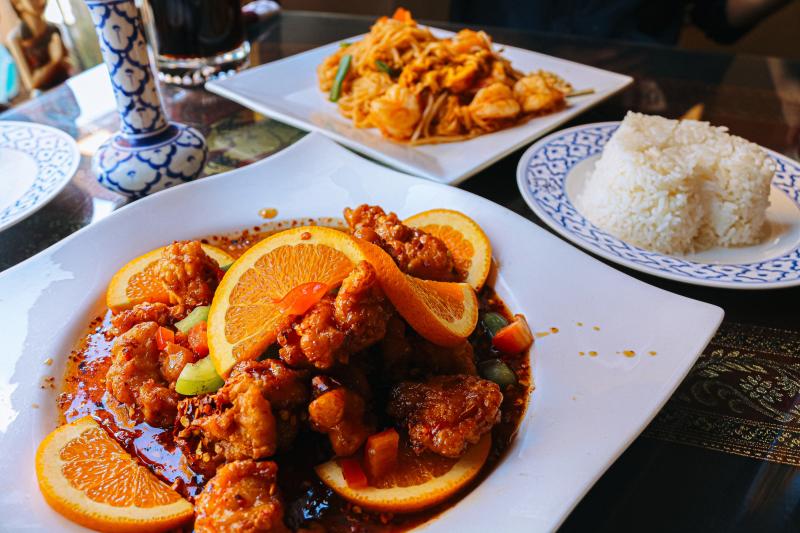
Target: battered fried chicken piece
188	274
315	339
144	312
238	421
340	413
446	413
235	423
173	358
416	252
396	350
243	496
287	392
406	355
283	387
135	376
336	327
360	308
434	359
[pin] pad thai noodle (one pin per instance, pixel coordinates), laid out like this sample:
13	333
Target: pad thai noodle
419	89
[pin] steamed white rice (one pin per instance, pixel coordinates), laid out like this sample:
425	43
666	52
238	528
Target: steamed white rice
678	186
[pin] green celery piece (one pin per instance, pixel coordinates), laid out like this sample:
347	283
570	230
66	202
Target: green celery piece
198	378
198	314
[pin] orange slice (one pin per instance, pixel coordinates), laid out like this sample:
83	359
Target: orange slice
444	313
416	482
85	475
246	312
469	245
136	283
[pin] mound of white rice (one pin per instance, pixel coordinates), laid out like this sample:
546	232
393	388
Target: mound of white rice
678	186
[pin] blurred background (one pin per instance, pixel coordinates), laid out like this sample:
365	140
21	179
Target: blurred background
44	42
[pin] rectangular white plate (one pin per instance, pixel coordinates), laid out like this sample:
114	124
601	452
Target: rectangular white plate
287	90
585	410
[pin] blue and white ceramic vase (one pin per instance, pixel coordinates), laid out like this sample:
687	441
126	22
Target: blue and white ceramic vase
148	153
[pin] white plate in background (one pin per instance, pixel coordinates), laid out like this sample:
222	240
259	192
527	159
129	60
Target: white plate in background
287	90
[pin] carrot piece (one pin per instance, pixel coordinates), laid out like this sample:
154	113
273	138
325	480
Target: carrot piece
380	453
403	15
353	473
515	337
198	339
163	336
300	299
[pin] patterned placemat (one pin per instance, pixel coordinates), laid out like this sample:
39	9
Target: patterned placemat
741	397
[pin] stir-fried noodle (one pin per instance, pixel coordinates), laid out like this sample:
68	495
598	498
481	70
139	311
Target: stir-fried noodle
419	89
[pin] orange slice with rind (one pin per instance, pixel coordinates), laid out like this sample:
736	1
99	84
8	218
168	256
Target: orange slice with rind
136	282
86	476
444	313
246	314
402	497
468	244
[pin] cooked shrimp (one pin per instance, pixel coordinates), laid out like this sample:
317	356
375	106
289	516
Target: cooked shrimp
367	88
494	104
467	41
396	113
459	78
537	95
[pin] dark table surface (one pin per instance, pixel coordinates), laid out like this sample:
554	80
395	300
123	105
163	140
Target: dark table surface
723	454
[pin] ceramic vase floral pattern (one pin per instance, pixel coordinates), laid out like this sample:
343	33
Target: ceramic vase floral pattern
148	153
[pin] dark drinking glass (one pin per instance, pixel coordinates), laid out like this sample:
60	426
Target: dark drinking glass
195	40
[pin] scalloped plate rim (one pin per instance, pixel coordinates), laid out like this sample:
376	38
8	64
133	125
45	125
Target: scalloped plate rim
529	196
68	172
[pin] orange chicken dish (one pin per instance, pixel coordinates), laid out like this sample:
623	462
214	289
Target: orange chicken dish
420	89
354	378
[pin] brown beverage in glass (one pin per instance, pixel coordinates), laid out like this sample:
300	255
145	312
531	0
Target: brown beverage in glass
195	40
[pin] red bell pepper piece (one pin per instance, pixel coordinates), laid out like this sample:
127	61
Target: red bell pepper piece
198	339
515	337
163	336
353	473
300	299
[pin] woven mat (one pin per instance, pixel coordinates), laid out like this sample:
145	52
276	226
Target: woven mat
741	397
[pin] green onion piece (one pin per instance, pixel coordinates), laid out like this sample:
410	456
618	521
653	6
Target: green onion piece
494	322
386	68
344	66
198	314
198	378
344	44
497	371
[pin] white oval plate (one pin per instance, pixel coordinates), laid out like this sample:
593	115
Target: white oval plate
36	162
585	410
552	173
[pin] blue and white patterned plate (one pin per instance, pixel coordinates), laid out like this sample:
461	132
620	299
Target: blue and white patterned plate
554	170
36	162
